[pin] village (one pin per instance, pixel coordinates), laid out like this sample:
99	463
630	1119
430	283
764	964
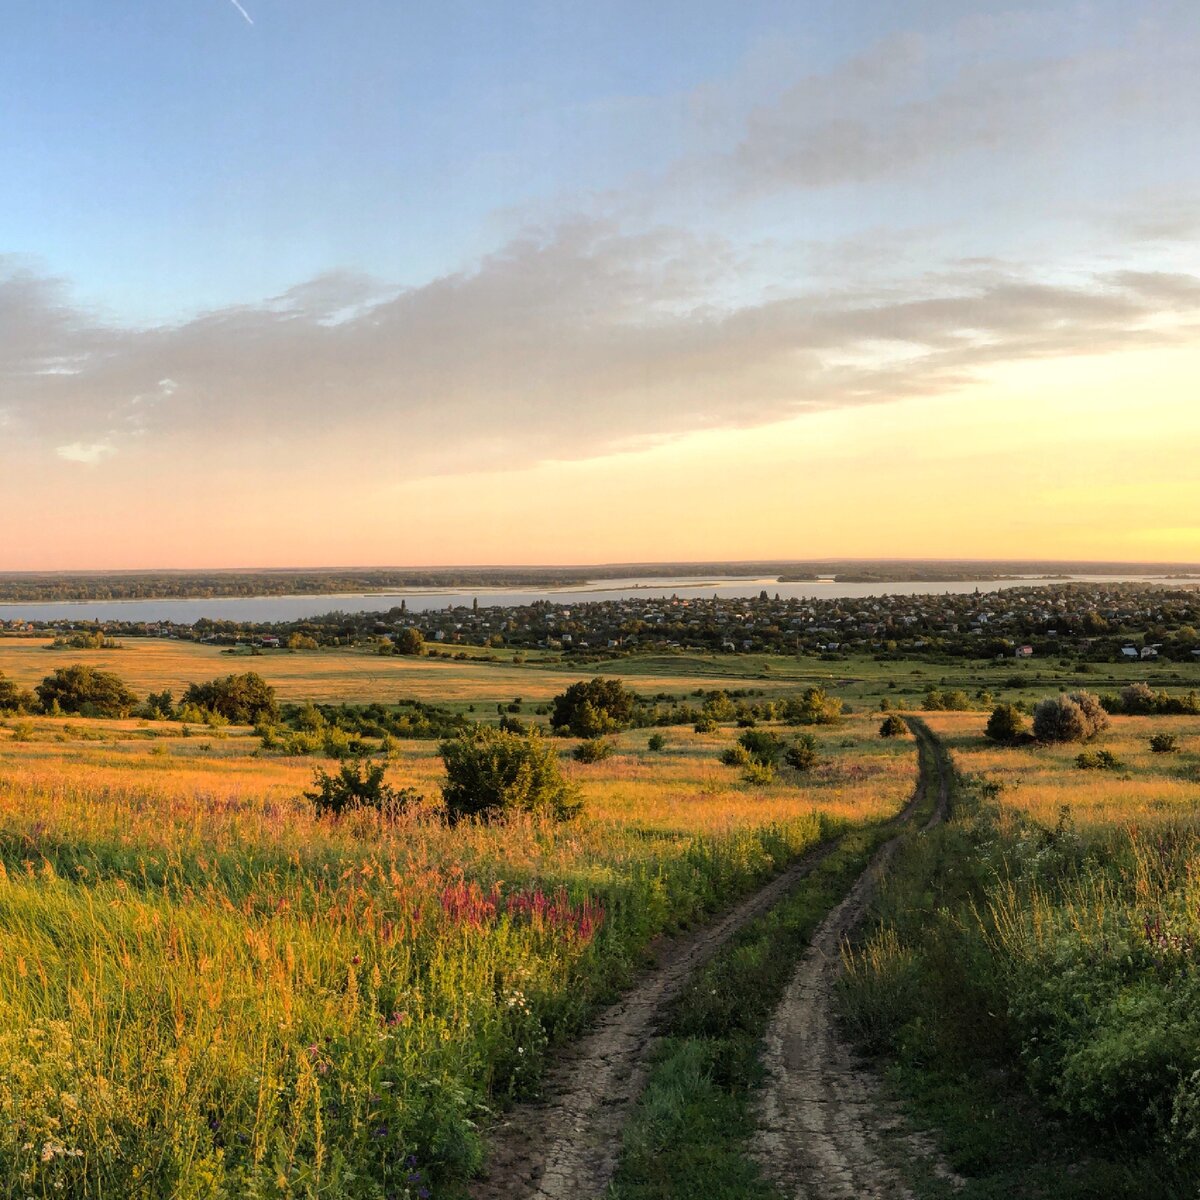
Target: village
1100	623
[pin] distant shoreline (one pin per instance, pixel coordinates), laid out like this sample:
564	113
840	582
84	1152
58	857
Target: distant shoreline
120	587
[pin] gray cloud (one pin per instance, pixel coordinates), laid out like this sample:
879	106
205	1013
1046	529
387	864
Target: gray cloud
568	343
985	86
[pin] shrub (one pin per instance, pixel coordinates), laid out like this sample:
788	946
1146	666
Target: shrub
1101	760
1164	743
359	784
590	709
762	746
735	756
593	750
490	772
1137	698
15	699
758	774
1006	724
801	755
160	706
814	707
85	690
656	743
245	699
892	726
706	724
1074	718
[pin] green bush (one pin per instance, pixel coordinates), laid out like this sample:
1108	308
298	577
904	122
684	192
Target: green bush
593	708
1101	760
801	755
735	756
359	784
1074	718
758	774
1006	725
814	707
87	691
656	743
1164	743
245	699
892	726
763	746
491	772
593	750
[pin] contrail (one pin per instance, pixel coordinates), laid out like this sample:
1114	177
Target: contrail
249	18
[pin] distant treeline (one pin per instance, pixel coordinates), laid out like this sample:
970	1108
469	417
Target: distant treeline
46	587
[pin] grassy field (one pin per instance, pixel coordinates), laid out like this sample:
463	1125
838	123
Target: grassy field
205	991
1036	961
359	675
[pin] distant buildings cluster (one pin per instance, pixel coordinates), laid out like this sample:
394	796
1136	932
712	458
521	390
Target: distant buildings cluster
1098	622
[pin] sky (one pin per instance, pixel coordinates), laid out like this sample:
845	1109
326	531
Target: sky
290	283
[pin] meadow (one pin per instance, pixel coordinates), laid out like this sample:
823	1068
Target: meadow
1036	960
361	675
207	991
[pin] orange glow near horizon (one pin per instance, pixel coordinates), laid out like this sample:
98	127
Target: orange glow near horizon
1070	459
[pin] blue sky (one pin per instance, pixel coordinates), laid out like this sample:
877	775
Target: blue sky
617	225
173	157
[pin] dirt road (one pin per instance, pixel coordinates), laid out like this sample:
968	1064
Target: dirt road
821	1113
566	1147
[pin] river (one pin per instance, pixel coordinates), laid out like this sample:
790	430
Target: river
294	608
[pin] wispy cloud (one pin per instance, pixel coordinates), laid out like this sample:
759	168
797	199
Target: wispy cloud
89	453
568	343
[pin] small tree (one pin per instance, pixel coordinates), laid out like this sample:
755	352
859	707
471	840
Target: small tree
83	689
1006	725
1137	698
892	726
410	641
597	706
656	743
246	699
490	772
814	707
1164	743
15	699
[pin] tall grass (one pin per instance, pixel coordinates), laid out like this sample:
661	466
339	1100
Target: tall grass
1051	932
206	991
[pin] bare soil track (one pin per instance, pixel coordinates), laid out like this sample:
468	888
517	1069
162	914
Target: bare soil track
566	1147
821	1114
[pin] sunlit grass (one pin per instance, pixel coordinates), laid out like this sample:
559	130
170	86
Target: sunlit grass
207	991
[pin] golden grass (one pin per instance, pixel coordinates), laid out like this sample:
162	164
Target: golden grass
333	675
1042	780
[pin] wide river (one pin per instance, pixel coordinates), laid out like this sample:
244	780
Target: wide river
292	608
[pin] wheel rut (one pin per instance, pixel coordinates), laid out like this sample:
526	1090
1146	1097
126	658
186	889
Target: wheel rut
821	1114
566	1146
